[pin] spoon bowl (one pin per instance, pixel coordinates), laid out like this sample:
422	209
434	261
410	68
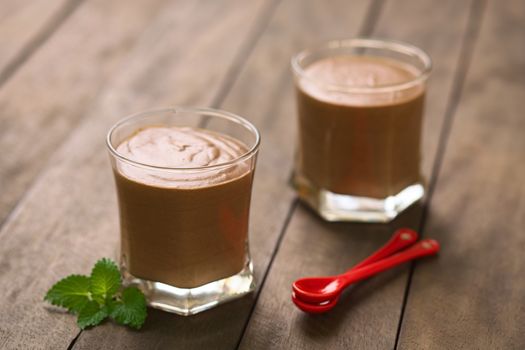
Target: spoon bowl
315	308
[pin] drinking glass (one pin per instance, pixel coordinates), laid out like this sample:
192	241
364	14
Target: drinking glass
184	239
358	152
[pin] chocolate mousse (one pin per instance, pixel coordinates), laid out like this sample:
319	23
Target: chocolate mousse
359	142
184	217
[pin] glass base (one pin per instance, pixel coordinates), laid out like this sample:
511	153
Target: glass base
190	301
338	207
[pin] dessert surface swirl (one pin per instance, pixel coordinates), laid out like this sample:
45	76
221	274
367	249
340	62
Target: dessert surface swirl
181	148
359	72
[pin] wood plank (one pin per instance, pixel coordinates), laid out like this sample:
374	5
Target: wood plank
262	93
367	317
69	218
51	93
24	25
296	24
473	296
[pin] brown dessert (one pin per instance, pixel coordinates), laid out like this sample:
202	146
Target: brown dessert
183	228
359	143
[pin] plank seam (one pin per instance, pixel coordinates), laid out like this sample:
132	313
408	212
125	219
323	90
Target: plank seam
371	18
465	57
369	23
217	100
72	344
38	40
244	53
26	52
232	74
287	220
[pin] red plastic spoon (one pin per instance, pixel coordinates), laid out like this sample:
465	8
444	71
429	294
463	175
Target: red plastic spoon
401	239
324	289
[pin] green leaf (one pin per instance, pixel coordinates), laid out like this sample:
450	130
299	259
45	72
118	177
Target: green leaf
71	292
92	314
131	310
105	280
96	297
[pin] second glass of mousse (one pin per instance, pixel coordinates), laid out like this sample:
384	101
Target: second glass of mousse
184	180
360	113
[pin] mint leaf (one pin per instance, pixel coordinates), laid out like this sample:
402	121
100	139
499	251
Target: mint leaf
131	309
105	280
92	314
98	296
71	292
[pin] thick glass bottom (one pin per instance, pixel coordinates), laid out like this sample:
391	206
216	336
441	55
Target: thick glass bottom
190	301
338	207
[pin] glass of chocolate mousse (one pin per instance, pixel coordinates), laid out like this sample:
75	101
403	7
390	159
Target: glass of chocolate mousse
360	113
184	181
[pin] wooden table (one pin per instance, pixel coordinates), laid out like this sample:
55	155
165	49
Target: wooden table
70	69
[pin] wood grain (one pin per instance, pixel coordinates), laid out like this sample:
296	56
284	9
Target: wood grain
473	296
24	25
262	93
296	24
52	91
69	217
367	316
211	53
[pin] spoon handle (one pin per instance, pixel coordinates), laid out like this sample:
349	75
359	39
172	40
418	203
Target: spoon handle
422	248
401	239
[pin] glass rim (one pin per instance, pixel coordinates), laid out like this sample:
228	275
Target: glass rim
210	112
385	44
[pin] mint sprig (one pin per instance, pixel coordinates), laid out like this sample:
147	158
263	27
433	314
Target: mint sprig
99	296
